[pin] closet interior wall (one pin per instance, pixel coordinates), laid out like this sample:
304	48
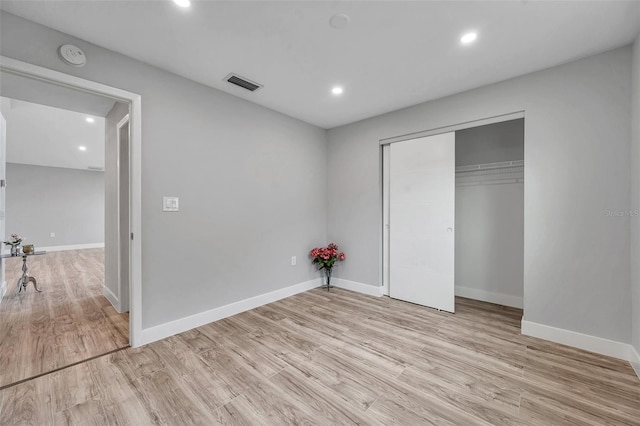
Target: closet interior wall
489	246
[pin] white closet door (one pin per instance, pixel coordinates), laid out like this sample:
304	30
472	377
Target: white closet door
422	215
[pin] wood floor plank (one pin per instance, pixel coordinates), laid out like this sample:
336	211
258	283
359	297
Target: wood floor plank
28	403
391	412
317	399
87	413
163	395
69	321
318	358
491	387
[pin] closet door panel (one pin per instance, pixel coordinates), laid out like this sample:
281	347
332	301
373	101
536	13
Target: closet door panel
422	215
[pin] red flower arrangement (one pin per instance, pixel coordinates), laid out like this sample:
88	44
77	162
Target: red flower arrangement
325	258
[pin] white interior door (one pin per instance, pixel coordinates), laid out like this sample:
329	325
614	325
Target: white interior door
421	216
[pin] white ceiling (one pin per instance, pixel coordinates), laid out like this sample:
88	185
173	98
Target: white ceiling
392	55
47	136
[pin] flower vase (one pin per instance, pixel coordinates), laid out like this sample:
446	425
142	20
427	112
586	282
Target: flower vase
15	250
327	274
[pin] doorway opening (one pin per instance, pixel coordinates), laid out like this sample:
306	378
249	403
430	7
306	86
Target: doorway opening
73	312
453	214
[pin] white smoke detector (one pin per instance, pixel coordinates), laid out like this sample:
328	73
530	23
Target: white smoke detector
72	55
339	21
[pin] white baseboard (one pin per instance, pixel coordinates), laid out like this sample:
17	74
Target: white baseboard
112	298
171	328
3	290
635	361
72	247
487	296
371	290
578	340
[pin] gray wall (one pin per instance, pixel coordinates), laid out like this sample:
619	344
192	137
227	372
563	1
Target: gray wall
112	119
41	200
576	148
251	181
635	200
490	216
492	143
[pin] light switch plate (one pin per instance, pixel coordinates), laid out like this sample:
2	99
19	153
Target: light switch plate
170	204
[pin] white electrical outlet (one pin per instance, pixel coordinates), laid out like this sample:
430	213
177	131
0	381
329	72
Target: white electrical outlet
293	261
52	235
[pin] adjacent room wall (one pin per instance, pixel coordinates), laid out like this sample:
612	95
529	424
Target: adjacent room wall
489	223
41	200
576	149
251	181
635	204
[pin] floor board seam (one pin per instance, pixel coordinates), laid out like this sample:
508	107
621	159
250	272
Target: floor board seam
46	373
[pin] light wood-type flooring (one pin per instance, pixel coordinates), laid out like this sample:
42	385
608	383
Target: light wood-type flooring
321	358
69	321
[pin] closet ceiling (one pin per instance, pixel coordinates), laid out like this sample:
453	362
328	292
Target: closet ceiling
392	54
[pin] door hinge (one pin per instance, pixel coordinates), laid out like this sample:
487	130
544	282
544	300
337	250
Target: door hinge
132	235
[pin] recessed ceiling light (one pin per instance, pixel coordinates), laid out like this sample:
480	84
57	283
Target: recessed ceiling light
468	38
337	90
182	3
82	148
90	119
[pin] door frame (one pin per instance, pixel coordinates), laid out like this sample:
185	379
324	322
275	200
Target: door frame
385	163
123	285
134	100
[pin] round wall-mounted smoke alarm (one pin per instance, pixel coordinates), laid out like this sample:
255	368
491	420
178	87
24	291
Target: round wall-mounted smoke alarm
72	55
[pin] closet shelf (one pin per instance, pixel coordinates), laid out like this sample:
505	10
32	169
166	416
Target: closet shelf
490	173
505	165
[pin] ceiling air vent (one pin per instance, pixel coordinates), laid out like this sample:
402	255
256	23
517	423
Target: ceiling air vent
242	82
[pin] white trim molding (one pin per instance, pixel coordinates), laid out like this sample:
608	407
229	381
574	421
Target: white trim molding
491	297
111	297
635	361
578	340
3	290
171	328
72	247
371	290
455	127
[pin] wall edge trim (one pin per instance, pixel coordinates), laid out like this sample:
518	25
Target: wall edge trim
371	290
635	361
3	290
491	297
112	298
72	247
586	342
158	332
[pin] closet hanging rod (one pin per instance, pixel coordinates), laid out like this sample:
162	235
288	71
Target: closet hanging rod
490	166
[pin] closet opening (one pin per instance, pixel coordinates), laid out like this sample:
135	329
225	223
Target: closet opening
489	218
453	214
